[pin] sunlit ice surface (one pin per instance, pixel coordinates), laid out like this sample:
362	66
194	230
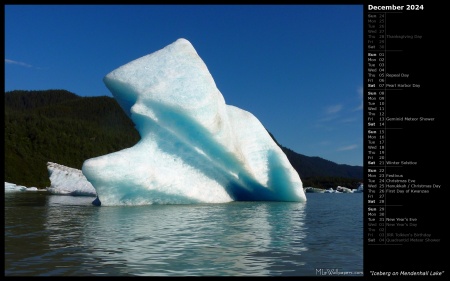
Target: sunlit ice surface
194	148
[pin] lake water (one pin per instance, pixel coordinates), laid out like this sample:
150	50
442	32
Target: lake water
52	235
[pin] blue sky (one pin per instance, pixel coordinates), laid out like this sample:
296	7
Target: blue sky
297	68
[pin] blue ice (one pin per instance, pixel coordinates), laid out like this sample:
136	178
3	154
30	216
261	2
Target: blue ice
194	148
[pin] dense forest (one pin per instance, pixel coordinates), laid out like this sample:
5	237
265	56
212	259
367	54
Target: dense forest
322	173
62	127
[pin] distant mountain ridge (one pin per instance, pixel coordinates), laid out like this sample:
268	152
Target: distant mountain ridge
62	127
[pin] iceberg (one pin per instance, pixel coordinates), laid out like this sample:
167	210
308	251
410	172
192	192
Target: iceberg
194	148
12	187
68	181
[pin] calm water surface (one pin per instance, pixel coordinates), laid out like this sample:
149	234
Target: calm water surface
51	235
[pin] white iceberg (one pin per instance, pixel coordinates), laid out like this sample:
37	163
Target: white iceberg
344	189
360	188
11	187
194	148
68	181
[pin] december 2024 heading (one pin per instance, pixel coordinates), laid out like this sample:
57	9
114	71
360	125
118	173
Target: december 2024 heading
395	8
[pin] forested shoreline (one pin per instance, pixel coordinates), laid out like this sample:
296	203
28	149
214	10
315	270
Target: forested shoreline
61	127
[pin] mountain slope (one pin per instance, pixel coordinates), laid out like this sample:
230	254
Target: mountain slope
59	126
